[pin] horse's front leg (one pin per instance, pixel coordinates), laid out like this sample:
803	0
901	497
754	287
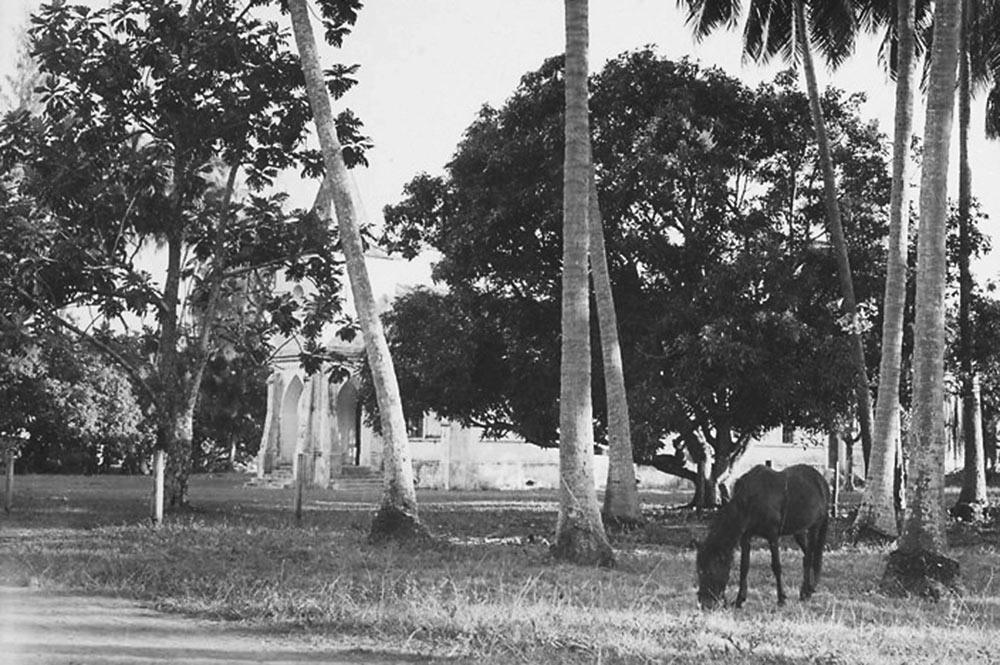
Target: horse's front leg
741	596
776	568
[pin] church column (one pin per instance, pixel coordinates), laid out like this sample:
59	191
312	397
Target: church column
318	436
272	424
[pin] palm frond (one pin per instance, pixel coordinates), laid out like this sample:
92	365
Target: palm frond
832	27
993	112
888	50
753	32
983	26
781	35
704	16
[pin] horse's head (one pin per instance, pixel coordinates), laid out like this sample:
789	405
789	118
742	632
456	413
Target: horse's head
713	575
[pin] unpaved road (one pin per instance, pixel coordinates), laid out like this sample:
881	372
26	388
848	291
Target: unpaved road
43	627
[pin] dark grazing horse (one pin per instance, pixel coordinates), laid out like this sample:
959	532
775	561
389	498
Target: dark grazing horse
768	504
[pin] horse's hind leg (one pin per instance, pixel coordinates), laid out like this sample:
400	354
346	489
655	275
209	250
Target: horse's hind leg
776	568
813	562
741	595
818	544
808	584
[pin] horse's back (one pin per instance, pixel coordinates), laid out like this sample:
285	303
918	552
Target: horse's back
790	500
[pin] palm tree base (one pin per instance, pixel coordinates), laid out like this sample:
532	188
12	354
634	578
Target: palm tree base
583	547
922	574
394	525
621	524
869	529
864	534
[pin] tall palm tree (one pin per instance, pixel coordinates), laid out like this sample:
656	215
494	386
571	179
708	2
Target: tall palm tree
580	535
877	511
621	495
979	49
776	27
923	540
397	516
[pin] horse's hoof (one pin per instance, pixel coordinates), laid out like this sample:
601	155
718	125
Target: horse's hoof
806	594
739	603
781	602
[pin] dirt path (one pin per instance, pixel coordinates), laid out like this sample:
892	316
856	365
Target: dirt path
42	627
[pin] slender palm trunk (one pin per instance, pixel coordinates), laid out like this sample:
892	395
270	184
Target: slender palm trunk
923	529
861	390
877	512
397	513
972	498
621	496
580	535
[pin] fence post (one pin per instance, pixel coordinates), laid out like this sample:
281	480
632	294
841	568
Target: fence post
8	496
833	441
159	462
300	481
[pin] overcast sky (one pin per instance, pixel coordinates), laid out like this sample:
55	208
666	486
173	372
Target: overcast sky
428	66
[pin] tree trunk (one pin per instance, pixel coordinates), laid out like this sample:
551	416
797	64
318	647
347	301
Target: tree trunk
724	455
861	390
972	498
919	565
397	516
176	430
580	535
700	485
621	496
876	513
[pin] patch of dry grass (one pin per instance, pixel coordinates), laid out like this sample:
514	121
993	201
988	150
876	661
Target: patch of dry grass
491	592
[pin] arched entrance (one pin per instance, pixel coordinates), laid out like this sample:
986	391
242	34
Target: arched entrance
349	424
288	435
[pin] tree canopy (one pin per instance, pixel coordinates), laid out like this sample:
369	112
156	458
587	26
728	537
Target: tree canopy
713	214
163	125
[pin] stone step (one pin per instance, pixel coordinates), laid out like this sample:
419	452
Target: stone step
350	471
367	485
353	479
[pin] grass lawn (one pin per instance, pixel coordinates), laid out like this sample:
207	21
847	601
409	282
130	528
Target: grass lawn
488	592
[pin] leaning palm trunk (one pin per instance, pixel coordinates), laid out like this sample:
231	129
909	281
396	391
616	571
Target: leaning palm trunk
877	513
397	513
580	535
621	496
919	564
861	390
972	498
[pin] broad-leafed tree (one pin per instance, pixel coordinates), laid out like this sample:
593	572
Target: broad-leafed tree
161	128
791	29
729	320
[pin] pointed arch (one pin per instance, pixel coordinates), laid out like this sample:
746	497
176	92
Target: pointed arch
288	432
348	413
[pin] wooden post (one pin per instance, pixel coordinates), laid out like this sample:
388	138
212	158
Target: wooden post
833	441
8	496
300	481
159	463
